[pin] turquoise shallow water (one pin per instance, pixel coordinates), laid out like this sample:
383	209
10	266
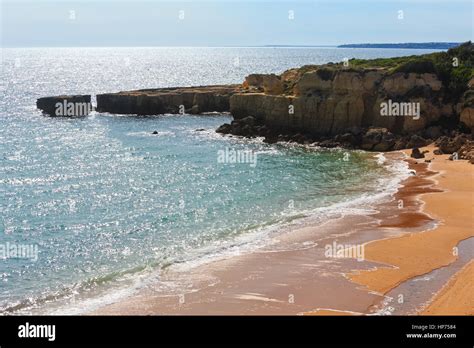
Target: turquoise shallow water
101	198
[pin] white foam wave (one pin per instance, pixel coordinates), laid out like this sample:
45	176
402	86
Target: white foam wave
257	239
150	134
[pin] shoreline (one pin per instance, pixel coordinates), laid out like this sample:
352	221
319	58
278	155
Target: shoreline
421	253
279	242
270	282
459	286
111	293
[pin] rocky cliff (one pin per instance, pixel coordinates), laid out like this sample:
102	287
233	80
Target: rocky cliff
327	101
378	105
65	105
192	100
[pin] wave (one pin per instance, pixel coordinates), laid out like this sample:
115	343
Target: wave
99	291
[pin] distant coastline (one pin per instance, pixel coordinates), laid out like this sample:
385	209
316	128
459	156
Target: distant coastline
414	45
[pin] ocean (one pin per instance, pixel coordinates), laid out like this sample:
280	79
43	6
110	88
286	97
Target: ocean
95	207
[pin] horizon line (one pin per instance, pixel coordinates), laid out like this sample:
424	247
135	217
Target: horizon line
248	46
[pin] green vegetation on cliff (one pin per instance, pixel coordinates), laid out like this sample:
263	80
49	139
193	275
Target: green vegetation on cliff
454	67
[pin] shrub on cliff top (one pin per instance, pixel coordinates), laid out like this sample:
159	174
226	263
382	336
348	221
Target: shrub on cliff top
419	66
454	78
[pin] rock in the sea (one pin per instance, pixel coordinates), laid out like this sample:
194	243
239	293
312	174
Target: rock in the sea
386	143
168	100
247	127
224	129
270	139
347	138
372	137
329	143
249	120
65	105
298	138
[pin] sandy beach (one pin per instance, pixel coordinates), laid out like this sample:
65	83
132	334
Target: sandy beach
293	276
415	254
457	297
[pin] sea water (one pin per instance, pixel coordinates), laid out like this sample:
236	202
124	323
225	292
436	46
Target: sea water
88	202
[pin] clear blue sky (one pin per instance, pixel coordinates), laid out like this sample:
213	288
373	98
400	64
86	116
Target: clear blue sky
231	23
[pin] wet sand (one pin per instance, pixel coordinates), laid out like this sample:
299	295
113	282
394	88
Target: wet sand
457	297
295	276
415	254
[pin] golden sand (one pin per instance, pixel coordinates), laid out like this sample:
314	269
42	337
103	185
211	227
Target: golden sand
261	282
415	254
457	296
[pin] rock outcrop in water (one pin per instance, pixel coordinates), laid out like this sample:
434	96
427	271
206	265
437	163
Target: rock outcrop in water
65	105
191	100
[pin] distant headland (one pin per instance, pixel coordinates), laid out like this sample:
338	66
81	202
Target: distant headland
419	45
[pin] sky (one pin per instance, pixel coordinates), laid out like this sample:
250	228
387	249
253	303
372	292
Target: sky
90	23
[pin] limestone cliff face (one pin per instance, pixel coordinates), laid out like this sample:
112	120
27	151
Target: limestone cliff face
167	100
466	106
324	100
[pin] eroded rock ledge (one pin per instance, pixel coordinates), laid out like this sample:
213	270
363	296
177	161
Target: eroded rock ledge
65	105
192	100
